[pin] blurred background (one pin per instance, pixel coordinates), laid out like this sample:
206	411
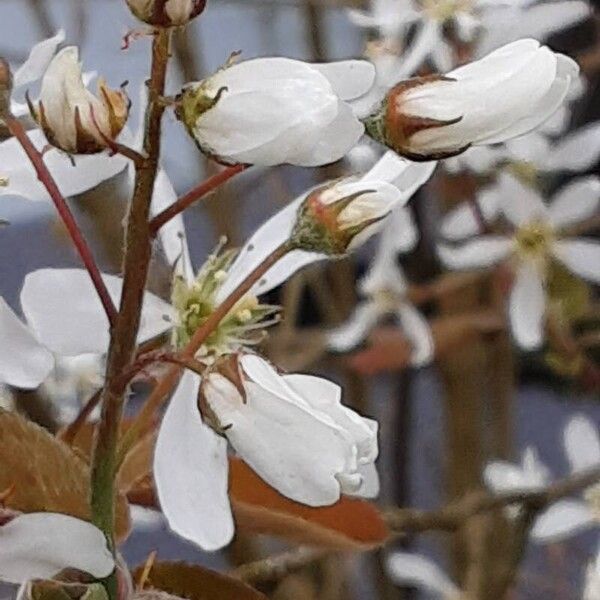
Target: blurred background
480	400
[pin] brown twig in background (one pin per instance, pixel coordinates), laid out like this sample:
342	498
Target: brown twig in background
278	566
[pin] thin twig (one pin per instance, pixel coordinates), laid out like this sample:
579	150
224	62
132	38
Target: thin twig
195	194
37	160
124	333
454	515
278	566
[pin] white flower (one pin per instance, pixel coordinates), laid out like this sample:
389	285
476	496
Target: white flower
532	19
504	95
412	570
270	111
40	545
537	240
487	23
292	430
385	287
72	118
566	517
166	13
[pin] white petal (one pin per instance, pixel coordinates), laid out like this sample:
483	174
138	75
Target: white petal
579	256
577	151
370	486
416	570
324	145
172	234
424	41
348	78
384	274
355	330
24	362
325	397
64	311
576	201
532	148
22	179
520	203
417	330
406	175
479	253
191	471
462	222
38	60
538	21
269	236
39	545
562	520
528	306
280	440
582	444
503	477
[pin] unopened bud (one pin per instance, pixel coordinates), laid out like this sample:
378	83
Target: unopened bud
336	218
166	13
397	128
72	118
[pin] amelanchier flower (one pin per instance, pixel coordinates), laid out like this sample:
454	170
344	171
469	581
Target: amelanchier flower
540	236
415	570
474	21
63	312
41	545
269	111
566	517
72	118
504	95
166	13
385	287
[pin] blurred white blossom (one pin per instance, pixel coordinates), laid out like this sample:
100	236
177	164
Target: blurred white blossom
538	238
502	96
566	517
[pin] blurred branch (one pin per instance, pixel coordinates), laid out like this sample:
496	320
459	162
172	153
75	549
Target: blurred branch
454	515
278	566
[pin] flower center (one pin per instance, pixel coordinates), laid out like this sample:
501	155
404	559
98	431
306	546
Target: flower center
534	240
592	497
386	300
524	171
194	302
444	10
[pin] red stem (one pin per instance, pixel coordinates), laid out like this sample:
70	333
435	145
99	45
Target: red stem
193	195
45	177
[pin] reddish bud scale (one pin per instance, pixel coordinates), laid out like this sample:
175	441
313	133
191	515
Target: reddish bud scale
398	128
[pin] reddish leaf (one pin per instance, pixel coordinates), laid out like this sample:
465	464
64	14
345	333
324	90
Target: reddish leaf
45	474
349	524
194	582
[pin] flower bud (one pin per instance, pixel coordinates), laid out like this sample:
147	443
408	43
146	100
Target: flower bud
504	95
166	13
339	217
72	118
270	111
